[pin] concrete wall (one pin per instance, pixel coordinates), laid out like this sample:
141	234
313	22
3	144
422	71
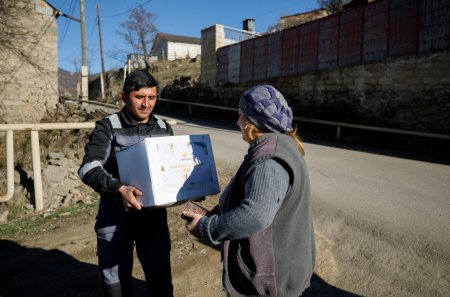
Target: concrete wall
29	72
212	39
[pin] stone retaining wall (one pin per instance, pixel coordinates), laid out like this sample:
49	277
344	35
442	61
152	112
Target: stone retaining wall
410	93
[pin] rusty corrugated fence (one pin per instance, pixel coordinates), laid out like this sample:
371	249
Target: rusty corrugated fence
363	34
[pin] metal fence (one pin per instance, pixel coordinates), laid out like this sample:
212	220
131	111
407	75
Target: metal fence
368	33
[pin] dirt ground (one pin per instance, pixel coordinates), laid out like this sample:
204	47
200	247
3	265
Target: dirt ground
60	260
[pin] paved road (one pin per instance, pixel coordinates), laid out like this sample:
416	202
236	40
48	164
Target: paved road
379	217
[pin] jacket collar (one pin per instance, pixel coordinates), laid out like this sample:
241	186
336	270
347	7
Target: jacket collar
129	120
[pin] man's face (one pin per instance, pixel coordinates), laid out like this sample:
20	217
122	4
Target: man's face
140	103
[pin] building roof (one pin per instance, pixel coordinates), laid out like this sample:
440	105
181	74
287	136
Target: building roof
178	38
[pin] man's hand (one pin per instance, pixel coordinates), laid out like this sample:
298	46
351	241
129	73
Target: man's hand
200	199
129	196
192	220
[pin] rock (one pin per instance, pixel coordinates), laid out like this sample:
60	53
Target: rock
17	177
66	187
20	196
75	191
55	174
55	202
73	177
83	199
70	155
56	155
67	200
4	216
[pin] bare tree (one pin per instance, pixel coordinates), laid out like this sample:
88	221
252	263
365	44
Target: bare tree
332	6
139	31
76	63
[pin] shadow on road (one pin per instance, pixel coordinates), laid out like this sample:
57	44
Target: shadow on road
26	272
320	288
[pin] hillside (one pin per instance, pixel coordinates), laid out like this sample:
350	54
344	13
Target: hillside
67	82
166	72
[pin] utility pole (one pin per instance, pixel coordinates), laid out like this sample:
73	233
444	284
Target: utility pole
84	67
102	75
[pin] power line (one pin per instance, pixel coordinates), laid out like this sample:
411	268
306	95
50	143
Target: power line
67	24
92	30
128	11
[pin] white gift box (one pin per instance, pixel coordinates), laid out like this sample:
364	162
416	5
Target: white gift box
169	169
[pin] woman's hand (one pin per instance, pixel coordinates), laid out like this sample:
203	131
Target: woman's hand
192	223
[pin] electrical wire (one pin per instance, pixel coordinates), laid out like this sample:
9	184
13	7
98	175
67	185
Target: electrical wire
67	23
92	30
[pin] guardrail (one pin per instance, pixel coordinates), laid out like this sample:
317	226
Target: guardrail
339	125
35	155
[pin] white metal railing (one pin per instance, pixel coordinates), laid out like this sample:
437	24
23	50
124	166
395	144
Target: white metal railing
35	154
339	125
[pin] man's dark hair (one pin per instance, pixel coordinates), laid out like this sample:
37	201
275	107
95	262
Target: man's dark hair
138	79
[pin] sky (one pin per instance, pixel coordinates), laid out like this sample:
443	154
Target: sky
178	17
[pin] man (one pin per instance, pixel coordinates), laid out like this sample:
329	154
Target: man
121	221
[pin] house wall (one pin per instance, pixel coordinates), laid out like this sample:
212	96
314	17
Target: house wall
29	88
182	50
160	49
170	51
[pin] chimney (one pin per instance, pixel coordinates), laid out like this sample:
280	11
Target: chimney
248	25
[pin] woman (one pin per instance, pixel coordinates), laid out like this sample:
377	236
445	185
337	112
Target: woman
264	217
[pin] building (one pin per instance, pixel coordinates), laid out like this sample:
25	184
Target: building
218	36
172	47
29	60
